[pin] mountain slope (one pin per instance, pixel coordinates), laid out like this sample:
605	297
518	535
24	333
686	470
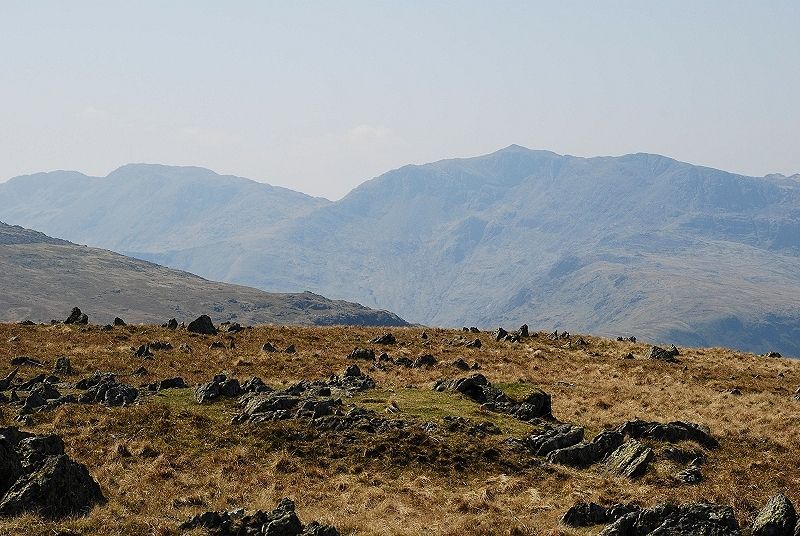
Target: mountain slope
148	208
45	277
639	244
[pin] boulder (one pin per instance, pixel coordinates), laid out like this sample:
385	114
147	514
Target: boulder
119	322
63	366
202	325
105	388
425	360
386	338
630	459
588	514
234	328
282	521
685	520
670	356
290	349
5	383
268	348
362	353
57	488
476	343
461	364
777	518
672	432
171	324
76	317
585	453
500	334
168	383
554	438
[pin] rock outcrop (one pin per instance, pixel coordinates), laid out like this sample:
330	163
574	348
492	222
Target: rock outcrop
38	477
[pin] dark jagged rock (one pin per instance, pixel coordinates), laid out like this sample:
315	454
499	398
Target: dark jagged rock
630	459
386	338
63	366
216	345
105	389
156	346
500	334
585	453
268	348
772	354
168	383
523	331
403	362
202	325
777	518
589	514
474	330
554	438
282	521
684	520
143	352
671	432
219	386
290	349
119	322
235	327
76	317
255	385
425	360
670	356
691	475
460	364
476	343
312	400
362	353
171	324
5	383
36	476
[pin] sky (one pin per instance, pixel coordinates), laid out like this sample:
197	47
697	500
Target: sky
321	96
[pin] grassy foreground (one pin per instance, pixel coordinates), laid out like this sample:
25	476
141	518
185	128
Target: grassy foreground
166	458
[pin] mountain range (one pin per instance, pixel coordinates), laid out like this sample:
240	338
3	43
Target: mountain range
45	277
634	245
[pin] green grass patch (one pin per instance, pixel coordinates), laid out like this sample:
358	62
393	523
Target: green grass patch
517	390
428	405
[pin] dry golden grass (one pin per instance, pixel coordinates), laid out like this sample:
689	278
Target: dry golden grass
162	460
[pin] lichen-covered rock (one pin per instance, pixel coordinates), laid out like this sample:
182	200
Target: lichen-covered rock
630	459
585	454
685	520
588	514
777	518
554	438
36	476
672	432
282	521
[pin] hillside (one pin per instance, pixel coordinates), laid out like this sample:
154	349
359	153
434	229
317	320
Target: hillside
378	450
633	245
43	278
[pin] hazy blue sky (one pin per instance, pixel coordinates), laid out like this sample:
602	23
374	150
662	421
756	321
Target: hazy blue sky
320	96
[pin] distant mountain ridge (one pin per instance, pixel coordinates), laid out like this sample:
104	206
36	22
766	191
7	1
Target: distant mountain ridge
148	207
638	244
43	278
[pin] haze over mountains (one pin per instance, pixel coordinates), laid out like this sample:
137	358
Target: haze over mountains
43	278
639	244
